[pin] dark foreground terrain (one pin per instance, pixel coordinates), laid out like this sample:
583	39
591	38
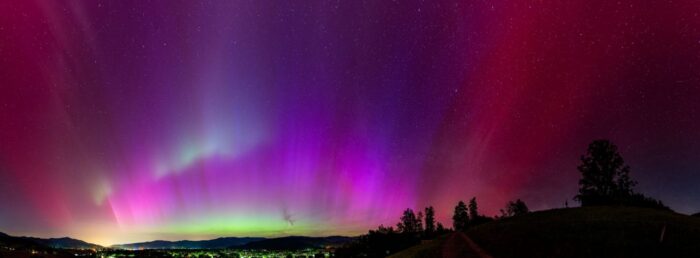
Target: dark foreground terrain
575	232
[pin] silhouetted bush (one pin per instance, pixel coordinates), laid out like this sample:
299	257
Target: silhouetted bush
514	208
639	200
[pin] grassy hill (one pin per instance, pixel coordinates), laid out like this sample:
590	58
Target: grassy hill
591	232
581	232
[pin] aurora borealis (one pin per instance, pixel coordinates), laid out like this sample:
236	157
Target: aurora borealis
125	121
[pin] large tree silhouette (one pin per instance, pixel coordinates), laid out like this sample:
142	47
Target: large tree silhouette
409	223
604	176
429	221
460	219
474	217
419	222
473	209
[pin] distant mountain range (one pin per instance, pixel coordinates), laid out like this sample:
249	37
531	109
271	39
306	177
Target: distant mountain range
18	242
40	243
222	242
281	243
64	242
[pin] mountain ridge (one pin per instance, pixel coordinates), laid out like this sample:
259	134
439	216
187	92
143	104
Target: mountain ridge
35	242
221	242
277	243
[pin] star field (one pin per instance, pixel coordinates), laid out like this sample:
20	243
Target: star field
125	121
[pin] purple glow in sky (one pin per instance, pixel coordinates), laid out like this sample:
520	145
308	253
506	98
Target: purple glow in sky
124	121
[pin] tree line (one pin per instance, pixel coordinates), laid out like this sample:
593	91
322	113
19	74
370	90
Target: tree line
605	181
414	227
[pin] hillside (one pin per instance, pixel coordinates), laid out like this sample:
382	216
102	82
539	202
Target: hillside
64	243
577	232
18	243
592	232
43	243
12	246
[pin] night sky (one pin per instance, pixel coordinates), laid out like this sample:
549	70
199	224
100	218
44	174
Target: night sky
126	121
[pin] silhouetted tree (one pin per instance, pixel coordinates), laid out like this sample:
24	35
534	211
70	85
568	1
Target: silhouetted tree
474	217
377	243
514	208
429	221
605	179
460	219
419	222
410	223
385	240
473	209
604	176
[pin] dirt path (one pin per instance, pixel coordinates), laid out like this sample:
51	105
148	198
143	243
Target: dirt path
459	245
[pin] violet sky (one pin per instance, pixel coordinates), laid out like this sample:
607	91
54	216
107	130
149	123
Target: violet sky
125	121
